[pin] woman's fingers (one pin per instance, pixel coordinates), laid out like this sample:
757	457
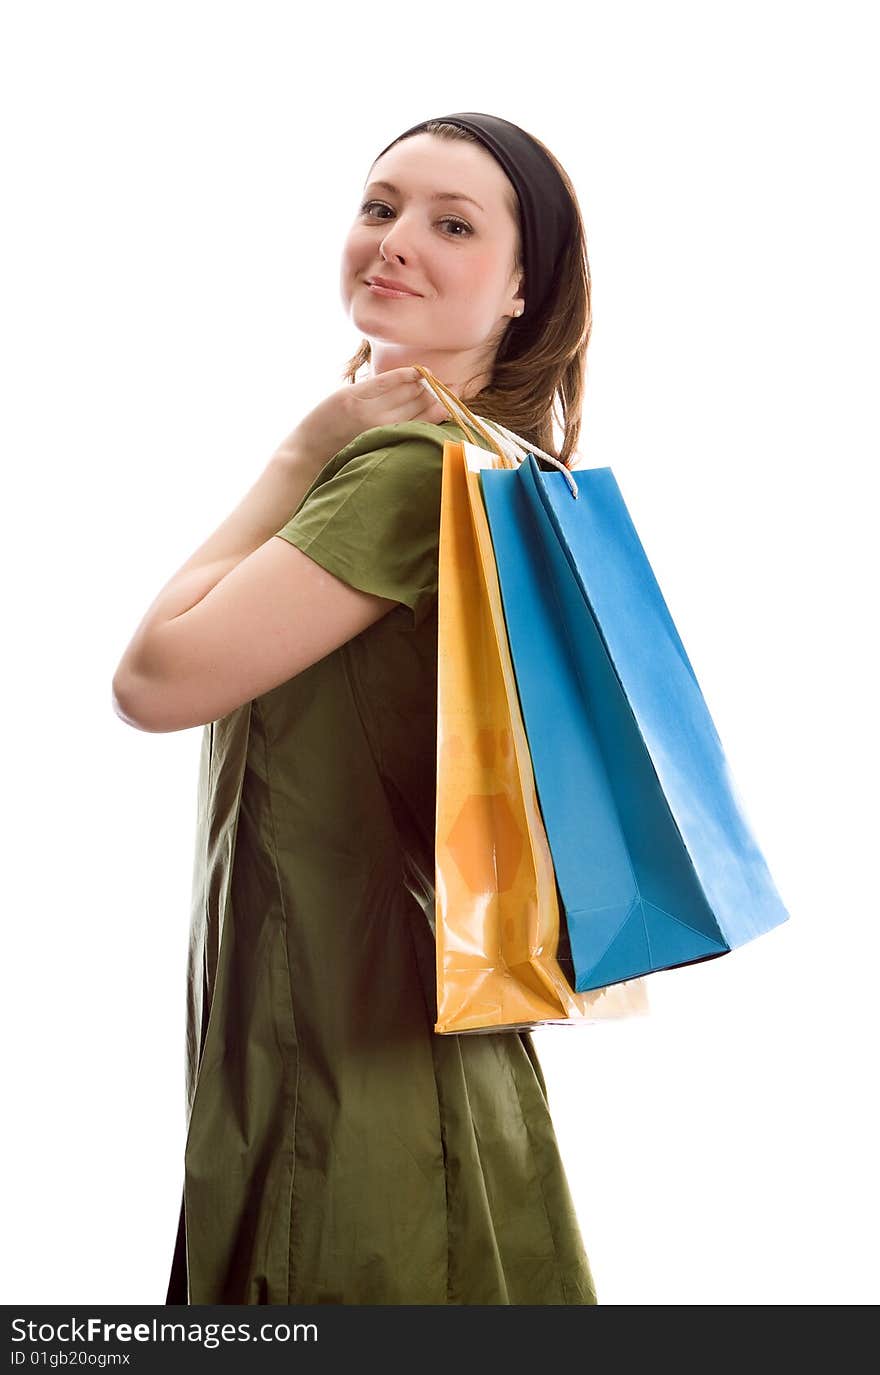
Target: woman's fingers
436	411
412	404
399	395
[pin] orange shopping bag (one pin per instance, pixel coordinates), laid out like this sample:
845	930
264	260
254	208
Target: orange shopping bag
497	912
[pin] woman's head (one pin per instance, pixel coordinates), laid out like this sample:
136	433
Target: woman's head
511	347
439	216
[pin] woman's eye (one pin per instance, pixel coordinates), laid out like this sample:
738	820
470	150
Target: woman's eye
447	219
368	205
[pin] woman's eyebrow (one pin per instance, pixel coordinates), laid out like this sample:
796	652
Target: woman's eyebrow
437	196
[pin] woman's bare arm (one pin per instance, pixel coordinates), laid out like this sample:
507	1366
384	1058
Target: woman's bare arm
245	613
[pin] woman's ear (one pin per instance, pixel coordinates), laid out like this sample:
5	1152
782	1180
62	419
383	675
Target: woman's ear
518	303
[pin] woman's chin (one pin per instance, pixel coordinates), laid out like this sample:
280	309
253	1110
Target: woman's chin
380	332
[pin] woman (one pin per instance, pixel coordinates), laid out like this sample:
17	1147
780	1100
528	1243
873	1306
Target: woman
338	1149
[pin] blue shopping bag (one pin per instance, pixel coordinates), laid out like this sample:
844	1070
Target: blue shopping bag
655	862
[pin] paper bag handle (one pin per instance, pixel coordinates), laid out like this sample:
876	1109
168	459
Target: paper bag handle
463	415
511	449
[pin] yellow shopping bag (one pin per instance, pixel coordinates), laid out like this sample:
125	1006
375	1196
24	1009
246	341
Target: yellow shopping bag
497	913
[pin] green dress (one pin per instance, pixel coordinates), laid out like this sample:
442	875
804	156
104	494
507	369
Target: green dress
338	1150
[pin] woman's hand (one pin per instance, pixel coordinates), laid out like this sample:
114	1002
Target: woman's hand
386	399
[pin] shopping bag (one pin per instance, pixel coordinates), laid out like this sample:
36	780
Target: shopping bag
497	922
656	862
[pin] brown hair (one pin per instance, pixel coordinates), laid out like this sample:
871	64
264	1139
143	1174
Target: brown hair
546	378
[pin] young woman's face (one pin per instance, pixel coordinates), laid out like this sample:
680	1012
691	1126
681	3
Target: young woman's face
457	254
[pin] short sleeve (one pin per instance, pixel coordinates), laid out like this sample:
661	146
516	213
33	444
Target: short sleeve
372	516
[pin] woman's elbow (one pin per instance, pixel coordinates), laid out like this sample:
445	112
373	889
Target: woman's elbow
129	704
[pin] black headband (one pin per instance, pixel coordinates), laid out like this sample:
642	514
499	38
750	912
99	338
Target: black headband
546	209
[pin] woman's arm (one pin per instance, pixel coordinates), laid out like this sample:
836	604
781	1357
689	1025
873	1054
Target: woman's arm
246	611
262	511
266	506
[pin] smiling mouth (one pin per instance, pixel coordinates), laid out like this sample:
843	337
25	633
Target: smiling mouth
379	290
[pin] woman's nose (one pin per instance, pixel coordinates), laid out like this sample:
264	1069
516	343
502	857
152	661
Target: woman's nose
397	242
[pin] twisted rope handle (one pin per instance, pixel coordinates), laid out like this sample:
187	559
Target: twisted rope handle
463	415
511	449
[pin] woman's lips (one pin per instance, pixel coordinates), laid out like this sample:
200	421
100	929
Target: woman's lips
387	291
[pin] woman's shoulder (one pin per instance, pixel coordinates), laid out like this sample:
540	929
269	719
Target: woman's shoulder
403	432
390	448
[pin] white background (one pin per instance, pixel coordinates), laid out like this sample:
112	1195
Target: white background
178	179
